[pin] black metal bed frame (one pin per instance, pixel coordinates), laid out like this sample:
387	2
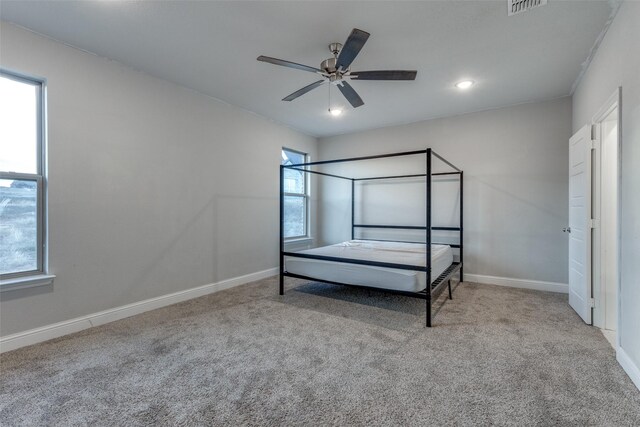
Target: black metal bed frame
432	291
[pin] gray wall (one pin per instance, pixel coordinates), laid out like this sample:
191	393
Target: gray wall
153	188
617	64
515	162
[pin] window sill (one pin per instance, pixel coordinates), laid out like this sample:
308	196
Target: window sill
26	282
299	240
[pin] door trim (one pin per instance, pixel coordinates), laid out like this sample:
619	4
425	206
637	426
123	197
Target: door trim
614	101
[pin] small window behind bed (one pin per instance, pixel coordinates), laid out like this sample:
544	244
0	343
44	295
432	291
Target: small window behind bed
296	196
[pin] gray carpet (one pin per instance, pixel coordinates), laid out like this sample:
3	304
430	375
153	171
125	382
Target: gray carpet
327	355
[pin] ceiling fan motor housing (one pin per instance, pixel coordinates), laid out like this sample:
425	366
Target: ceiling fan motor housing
329	65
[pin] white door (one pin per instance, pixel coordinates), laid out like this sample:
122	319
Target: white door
579	230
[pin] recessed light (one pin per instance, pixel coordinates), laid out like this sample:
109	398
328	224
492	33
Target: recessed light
335	112
465	84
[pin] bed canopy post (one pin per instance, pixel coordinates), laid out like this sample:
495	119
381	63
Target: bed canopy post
461	230
353	203
281	230
428	242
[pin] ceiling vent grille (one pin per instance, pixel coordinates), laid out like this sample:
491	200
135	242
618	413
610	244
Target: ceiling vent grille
518	6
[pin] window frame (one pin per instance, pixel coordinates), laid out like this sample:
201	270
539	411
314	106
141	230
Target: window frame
9	280
305	196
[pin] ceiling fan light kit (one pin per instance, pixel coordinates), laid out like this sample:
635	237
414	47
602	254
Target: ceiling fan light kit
465	84
337	70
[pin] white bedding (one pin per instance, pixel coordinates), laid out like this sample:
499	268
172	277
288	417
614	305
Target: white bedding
377	277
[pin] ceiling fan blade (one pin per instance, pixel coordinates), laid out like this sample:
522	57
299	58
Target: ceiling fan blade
384	75
289	64
351	95
351	48
302	91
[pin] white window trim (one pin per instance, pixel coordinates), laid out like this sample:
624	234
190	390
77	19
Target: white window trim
307	197
300	240
24	282
40	276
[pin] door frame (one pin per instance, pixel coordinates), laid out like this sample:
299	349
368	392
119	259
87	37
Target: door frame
614	101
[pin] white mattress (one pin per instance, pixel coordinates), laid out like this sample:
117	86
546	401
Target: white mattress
377	277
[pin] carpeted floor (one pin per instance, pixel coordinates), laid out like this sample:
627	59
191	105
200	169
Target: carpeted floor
325	355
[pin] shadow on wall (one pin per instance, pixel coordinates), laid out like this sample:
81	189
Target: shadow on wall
25	293
512	227
219	242
513	196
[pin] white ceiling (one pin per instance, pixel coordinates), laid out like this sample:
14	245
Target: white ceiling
212	47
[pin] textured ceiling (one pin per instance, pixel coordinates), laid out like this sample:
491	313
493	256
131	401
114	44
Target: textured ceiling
212	47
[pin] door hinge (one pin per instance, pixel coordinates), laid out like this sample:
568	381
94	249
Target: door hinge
595	144
592	302
594	223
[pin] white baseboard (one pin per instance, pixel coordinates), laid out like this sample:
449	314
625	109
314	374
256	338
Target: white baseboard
518	283
55	330
629	367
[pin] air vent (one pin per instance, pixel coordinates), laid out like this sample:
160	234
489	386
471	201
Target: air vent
518	6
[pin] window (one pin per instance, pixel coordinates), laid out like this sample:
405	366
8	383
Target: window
296	196
21	177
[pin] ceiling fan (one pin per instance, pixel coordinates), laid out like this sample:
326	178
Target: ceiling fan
337	70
